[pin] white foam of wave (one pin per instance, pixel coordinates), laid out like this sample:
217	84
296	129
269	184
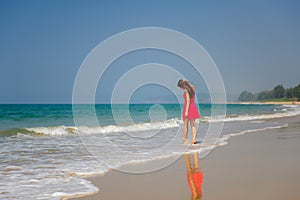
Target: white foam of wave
232	118
290	106
213	143
224	139
52	130
44	168
205	145
170	123
64	130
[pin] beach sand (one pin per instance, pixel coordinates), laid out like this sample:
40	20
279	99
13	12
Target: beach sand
261	165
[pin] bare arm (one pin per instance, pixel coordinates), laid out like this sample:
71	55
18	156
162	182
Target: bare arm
187	103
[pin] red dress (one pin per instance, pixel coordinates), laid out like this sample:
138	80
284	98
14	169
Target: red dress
193	112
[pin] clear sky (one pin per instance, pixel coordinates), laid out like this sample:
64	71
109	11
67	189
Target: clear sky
255	44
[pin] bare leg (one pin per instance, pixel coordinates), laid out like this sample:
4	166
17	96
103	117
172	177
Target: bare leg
188	163
196	162
185	129
194	131
190	176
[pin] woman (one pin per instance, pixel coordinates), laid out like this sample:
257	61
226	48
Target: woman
190	110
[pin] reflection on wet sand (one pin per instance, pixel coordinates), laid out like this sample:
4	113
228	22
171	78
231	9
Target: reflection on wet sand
194	176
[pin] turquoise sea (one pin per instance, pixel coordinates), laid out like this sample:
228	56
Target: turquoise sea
46	155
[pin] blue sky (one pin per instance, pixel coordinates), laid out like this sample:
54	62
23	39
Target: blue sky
255	44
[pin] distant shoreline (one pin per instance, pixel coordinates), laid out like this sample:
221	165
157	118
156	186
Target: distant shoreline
266	103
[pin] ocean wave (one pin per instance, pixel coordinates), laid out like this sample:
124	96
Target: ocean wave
286	111
224	139
290	106
246	117
65	130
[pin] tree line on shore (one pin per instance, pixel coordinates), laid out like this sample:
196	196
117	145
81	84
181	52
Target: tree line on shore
276	94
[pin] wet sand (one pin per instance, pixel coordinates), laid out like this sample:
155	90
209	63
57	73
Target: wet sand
260	165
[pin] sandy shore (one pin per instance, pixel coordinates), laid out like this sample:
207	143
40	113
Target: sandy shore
262	165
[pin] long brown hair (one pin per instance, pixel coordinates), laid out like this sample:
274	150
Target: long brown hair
186	85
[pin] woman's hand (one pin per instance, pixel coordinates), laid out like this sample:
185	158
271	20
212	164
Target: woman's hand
186	113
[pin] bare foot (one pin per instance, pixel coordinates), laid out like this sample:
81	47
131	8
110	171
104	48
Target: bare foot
186	141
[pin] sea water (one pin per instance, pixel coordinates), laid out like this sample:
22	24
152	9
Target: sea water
46	155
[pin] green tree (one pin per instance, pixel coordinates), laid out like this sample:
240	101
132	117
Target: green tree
290	93
278	92
246	96
297	91
264	95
